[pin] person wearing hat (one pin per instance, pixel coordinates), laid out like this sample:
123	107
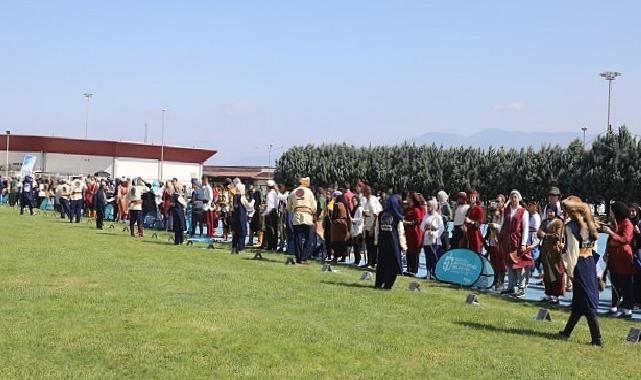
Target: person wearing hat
302	203
581	234
76	198
240	205
552	238
270	241
460	213
554	198
513	241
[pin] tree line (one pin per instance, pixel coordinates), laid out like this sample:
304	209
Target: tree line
608	170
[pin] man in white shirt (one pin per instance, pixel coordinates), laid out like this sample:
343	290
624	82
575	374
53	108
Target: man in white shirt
271	217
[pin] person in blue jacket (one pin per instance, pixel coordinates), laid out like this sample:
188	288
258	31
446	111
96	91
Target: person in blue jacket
26	195
390	239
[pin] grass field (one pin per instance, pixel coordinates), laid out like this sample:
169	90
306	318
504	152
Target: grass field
77	303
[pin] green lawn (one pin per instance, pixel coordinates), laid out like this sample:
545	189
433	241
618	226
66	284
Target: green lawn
77	303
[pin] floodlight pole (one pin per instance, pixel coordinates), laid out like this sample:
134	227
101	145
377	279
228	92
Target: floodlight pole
162	144
609	76
87	95
7	168
584	129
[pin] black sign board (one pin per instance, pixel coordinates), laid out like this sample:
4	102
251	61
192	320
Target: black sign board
414	287
634	335
472	299
543	315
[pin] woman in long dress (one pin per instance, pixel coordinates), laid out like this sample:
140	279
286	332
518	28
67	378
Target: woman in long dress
340	228
390	239
123	207
552	237
434	227
413	232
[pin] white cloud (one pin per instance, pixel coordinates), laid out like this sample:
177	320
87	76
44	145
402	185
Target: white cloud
513	106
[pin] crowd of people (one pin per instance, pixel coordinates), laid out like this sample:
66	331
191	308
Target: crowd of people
383	232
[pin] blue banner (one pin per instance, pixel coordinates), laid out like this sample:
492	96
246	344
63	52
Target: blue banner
28	162
460	267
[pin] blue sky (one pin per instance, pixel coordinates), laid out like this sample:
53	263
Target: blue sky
239	75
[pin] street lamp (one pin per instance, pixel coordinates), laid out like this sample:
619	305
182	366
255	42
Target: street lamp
7	168
584	129
162	144
87	95
609	76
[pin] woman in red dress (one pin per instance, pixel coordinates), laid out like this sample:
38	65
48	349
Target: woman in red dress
413	233
473	222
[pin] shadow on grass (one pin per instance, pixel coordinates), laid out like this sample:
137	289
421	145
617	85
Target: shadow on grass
348	285
266	260
517	331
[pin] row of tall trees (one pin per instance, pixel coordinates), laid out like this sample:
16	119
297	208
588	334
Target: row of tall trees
608	170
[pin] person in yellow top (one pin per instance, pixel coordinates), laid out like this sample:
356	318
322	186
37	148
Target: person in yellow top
302	204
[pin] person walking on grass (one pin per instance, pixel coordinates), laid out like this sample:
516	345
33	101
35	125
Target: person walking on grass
581	232
390	240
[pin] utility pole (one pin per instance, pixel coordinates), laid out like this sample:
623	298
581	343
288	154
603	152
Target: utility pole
584	129
162	144
609	76
87	95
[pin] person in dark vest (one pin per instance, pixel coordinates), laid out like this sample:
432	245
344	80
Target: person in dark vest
197	208
390	240
240	205
177	207
26	195
99	203
581	232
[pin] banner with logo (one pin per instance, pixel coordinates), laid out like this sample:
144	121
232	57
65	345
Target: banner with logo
28	162
465	268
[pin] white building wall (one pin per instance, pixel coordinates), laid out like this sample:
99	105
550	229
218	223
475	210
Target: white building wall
70	164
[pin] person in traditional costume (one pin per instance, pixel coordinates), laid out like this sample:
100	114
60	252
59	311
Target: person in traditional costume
270	241
26	195
554	200
168	218
134	203
208	206
475	218
446	213
123	190
239	218
371	209
513	242
255	217
76	198
390	240
90	190
492	246
635	214
581	232
552	236
413	232
99	203
433	227
460	213
357	229
341	225
619	258
177	207
533	241
301	203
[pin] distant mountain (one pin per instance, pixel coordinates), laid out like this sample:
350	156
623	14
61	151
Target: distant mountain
499	137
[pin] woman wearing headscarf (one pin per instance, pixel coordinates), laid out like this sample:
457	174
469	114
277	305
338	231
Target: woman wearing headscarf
390	240
513	241
413	232
357	229
635	216
581	232
552	238
433	226
618	255
340	227
475	218
371	210
460	213
446	213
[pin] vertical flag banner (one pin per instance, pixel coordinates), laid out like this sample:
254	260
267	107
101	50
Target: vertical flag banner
28	163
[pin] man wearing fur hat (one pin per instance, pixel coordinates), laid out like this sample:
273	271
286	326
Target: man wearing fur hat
302	204
271	217
581	238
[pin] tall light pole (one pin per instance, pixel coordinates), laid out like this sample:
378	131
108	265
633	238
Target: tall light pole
271	148
162	144
87	95
7	168
584	129
145	133
609	76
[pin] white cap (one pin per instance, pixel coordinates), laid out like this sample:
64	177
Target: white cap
271	183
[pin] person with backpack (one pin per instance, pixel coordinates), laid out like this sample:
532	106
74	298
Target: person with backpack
26	195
